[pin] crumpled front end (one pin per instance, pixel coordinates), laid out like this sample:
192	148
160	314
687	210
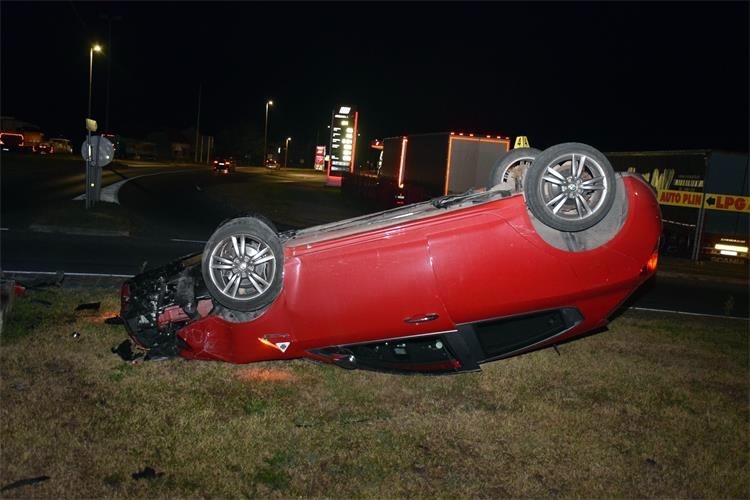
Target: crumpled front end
158	303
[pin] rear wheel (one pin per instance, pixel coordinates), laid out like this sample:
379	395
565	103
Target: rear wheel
570	187
509	171
242	264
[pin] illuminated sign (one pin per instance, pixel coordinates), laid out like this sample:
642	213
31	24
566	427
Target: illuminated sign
320	157
727	202
710	201
343	143
680	198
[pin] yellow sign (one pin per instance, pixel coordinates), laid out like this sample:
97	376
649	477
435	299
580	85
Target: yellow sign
727	202
521	142
710	201
680	198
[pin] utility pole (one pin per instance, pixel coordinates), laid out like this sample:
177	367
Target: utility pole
198	122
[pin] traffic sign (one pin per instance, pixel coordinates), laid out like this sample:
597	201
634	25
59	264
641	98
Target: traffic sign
99	151
728	202
521	142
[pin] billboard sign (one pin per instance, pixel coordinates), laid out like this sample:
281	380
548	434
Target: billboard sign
343	141
320	158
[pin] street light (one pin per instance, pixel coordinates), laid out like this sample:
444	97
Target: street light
265	134
91	174
286	149
94	48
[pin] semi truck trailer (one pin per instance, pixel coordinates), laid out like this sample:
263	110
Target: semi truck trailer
418	167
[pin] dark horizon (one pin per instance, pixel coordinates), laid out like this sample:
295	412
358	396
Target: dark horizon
620	76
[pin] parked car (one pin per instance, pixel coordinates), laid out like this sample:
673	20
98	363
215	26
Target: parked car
61	146
43	148
440	286
223	166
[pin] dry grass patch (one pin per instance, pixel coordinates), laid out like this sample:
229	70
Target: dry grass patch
656	407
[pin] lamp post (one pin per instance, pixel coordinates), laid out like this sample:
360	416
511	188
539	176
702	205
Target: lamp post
286	149
265	134
91	178
94	48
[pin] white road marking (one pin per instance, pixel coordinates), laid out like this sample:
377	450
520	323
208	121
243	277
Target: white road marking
688	313
110	193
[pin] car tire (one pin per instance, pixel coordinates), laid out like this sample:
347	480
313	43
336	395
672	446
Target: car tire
570	187
509	171
243	263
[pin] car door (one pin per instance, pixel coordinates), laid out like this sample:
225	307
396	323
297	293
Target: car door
369	286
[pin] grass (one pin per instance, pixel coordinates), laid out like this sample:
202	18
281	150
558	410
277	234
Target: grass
656	407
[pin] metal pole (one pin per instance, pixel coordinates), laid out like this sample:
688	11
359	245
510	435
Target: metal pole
198	123
265	139
96	174
265	136
88	134
91	70
88	166
698	240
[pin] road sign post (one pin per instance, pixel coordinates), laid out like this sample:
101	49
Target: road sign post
98	152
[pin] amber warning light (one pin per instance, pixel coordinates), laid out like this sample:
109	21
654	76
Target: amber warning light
652	263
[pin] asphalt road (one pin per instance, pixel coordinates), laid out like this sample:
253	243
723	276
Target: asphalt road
182	209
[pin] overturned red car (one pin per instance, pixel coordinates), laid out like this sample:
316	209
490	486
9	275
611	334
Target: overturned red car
546	253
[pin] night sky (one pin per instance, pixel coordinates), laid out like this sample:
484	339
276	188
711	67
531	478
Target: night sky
619	76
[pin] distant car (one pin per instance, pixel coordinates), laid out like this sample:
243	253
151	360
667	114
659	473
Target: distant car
272	163
61	146
43	148
440	286
223	166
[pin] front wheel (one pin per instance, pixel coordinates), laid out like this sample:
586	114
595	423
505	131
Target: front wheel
570	187
242	264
